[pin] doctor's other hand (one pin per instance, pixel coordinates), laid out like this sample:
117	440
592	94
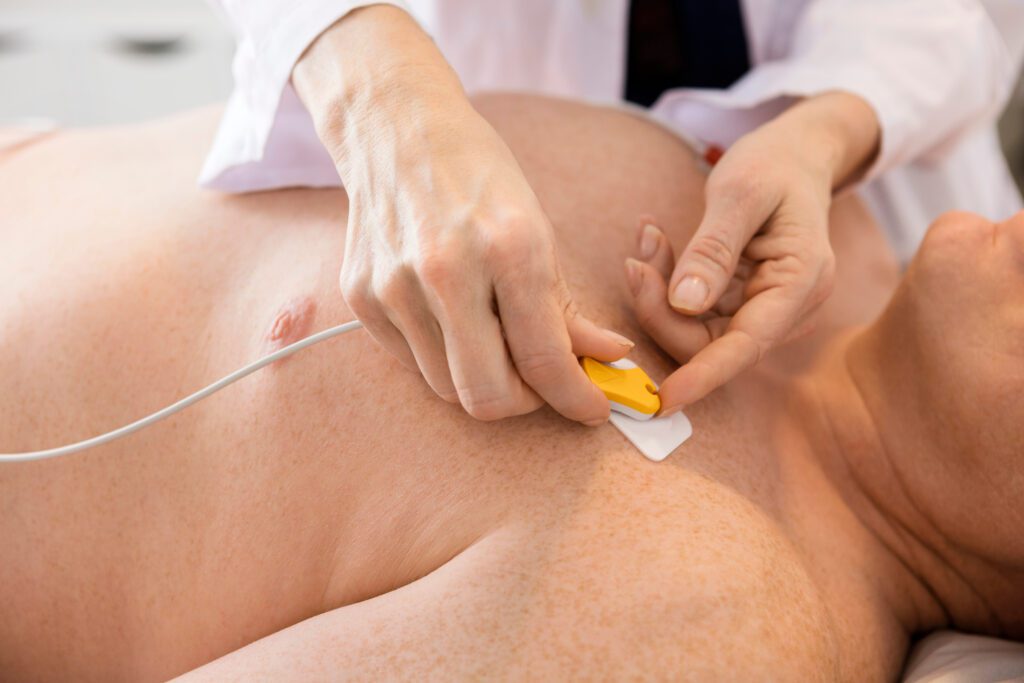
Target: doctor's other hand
450	261
760	262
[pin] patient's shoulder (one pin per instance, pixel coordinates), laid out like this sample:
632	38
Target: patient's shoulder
694	580
719	597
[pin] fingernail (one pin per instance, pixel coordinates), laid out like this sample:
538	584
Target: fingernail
618	339
595	423
690	294
634	275
649	242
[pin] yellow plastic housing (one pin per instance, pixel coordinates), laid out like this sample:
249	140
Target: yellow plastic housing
631	387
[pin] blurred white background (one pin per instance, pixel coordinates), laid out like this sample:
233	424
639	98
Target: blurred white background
85	62
105	61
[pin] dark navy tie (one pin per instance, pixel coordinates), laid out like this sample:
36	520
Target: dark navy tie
683	44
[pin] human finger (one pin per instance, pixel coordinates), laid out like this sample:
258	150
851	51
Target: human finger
678	335
762	323
377	324
710	368
590	339
655	249
411	315
533	306
733	214
488	385
736	291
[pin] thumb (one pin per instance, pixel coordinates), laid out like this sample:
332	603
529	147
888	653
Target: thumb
590	339
703	272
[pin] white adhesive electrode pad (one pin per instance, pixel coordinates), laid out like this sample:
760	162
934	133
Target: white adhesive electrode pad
655	438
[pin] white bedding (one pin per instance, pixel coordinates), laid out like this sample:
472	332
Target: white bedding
951	657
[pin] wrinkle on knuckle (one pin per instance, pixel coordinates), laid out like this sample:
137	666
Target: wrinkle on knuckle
542	366
787	269
712	249
570	311
754	350
487	406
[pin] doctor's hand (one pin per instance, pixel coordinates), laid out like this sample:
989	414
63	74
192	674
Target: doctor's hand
450	261
760	262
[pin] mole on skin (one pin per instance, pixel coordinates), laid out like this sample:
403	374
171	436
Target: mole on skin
293	322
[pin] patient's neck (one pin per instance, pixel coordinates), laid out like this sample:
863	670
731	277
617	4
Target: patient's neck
885	469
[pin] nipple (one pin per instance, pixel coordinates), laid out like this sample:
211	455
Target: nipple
627	387
293	322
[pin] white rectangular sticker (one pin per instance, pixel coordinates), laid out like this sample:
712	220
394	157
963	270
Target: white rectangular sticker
655	438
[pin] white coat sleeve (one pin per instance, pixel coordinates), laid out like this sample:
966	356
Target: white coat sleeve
931	69
266	138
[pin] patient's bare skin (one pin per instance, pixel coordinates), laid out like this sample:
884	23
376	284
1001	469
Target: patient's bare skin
335	512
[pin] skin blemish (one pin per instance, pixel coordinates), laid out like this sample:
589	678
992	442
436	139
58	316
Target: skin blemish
293	322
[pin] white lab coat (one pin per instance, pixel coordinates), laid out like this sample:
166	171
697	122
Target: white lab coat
937	73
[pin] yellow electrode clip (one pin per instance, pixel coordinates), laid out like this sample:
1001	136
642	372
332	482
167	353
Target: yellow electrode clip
628	388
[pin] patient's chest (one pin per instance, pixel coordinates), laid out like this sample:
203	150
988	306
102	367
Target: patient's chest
335	476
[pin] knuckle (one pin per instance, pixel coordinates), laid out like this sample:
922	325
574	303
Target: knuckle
438	270
351	279
570	311
516	222
505	251
713	250
541	367
825	282
356	293
738	186
752	350
393	289
488	407
511	243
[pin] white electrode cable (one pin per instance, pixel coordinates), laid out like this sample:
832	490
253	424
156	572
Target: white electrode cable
185	402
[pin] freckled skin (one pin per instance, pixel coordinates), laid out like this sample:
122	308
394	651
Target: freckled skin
332	518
